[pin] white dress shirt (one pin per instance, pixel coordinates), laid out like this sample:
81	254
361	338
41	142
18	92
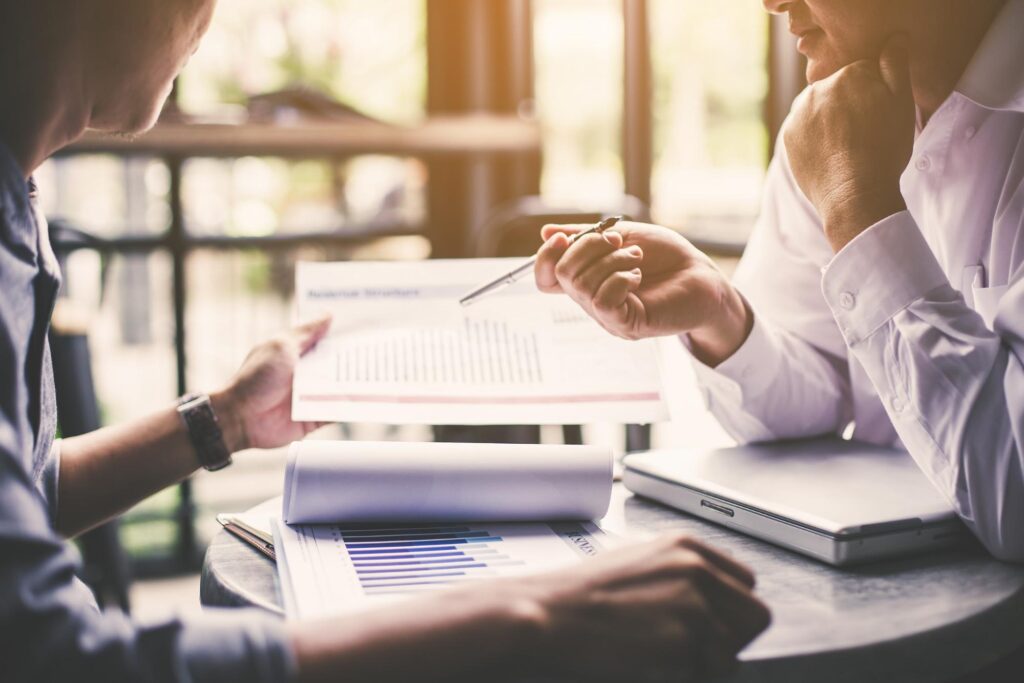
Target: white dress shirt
914	332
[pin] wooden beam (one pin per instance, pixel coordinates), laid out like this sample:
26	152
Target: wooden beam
452	135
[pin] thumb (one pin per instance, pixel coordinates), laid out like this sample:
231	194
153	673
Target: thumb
309	333
894	64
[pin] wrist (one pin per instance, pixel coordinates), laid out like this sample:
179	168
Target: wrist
714	343
845	219
530	604
229	417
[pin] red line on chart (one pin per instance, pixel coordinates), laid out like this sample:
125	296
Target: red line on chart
515	400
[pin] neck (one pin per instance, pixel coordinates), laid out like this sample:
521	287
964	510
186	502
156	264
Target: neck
945	36
43	106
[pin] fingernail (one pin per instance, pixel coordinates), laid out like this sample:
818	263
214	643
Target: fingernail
610	235
635	250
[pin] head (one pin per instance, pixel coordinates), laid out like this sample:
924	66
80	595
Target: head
835	33
133	51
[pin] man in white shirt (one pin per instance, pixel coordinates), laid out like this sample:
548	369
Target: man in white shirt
883	286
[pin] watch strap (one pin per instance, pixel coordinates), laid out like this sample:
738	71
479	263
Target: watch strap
204	431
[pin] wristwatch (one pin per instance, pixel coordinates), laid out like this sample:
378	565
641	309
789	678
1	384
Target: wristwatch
204	431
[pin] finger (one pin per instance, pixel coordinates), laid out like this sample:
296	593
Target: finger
620	260
581	255
550	230
894	64
309	333
736	605
310	427
548	257
611	303
614	238
739	609
718	654
716	557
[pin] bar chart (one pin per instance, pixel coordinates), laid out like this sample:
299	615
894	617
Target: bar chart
391	560
330	569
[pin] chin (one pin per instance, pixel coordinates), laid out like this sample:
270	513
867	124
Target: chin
135	117
141	126
818	70
142	120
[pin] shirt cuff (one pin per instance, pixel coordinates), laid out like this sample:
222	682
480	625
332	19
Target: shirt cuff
878	274
746	368
243	646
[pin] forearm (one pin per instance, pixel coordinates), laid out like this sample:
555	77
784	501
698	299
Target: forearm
105	472
440	639
957	423
951	386
716	342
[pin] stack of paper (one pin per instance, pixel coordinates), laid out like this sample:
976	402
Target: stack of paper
372	523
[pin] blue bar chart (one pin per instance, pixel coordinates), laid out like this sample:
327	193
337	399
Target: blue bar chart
331	569
392	559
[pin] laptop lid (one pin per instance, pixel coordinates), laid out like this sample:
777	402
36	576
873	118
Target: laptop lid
838	487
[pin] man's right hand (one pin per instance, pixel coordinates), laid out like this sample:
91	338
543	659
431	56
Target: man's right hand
640	281
669	609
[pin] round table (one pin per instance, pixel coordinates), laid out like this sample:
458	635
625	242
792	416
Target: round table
929	618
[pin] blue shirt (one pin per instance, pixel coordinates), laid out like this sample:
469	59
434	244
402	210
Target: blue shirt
50	626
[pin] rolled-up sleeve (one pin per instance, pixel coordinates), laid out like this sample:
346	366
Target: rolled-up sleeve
953	387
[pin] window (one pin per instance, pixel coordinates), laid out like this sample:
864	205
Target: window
710	141
579	62
710	64
370	55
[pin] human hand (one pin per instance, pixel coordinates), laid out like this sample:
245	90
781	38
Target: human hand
849	139
640	281
669	609
255	409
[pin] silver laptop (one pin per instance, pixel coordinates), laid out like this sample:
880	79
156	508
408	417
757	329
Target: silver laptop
838	501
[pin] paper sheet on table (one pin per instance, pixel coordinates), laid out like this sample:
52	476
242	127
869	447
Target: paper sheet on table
402	350
331	569
351	481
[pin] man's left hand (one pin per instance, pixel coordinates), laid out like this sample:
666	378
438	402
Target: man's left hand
849	139
255	410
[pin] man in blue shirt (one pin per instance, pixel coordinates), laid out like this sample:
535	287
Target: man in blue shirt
671	607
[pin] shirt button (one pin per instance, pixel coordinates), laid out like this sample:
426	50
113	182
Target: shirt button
898	405
969	133
847	301
924	163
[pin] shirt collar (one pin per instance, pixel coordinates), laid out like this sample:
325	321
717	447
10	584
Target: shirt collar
15	208
994	78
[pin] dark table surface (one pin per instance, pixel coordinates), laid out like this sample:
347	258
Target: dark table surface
929	618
